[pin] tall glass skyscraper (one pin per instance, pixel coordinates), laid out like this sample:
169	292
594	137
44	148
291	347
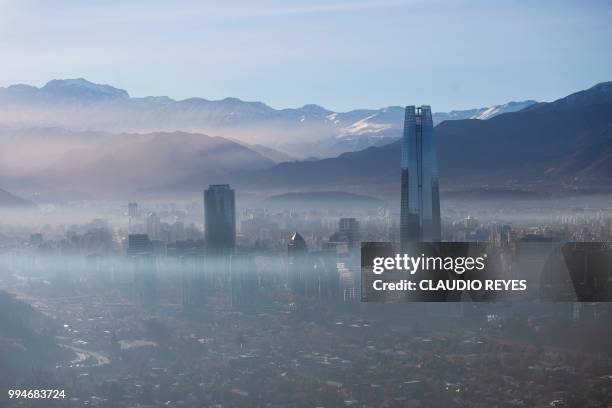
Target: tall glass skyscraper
219	220
420	201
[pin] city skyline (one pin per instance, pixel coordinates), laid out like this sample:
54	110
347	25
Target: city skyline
173	233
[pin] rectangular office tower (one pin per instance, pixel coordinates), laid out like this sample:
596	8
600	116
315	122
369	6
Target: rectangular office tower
420	197
219	220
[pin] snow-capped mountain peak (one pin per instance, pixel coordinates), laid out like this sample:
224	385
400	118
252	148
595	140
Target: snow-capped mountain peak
82	88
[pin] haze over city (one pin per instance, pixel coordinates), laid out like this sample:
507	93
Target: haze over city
193	194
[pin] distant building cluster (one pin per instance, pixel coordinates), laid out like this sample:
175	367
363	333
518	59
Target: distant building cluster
215	266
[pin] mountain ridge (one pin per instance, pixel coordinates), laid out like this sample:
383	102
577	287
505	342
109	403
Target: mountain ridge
80	87
11	201
527	146
310	130
106	165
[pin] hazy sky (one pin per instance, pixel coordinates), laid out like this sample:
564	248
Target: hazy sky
342	55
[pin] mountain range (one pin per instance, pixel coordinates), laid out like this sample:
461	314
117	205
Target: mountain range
562	144
311	130
84	165
76	139
8	200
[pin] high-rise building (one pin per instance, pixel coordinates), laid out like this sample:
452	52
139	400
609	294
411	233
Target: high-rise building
153	226
219	219
348	231
138	244
133	210
420	199
36	239
297	257
177	231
